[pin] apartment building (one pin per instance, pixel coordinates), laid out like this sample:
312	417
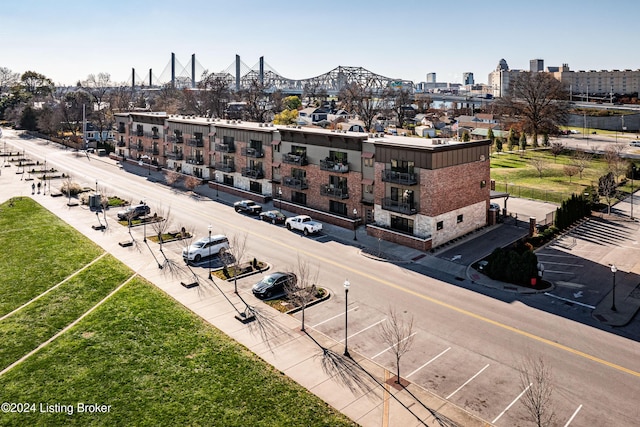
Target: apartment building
414	191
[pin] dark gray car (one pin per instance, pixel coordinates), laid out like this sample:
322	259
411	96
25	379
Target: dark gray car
273	284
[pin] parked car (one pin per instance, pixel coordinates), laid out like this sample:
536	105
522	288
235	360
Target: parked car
303	223
273	216
248	206
134	212
215	245
273	284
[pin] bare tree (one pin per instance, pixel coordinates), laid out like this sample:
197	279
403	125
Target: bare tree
101	115
191	182
607	188
171	177
398	334
615	163
304	290
537	381
556	149
361	100
539	163
161	223
234	256
7	79
570	171
581	160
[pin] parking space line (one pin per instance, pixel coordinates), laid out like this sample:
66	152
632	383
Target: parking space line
467	382
362	330
434	358
511	404
570	300
389	348
558	272
562	263
334	317
573	416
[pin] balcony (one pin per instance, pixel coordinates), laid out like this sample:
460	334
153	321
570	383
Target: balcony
152	150
225	167
298	184
137	147
336	192
195	160
195	142
121	144
139	132
122	129
226	148
252	152
295	159
175	155
405	178
330	165
155	136
176	139
408	208
253	173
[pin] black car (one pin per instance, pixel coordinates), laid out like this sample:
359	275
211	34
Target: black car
273	284
134	212
274	217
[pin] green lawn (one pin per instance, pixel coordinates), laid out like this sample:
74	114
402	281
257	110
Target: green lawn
149	358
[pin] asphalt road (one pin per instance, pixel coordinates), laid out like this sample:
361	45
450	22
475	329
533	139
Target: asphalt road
468	344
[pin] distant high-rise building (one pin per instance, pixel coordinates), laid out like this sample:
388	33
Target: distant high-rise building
467	78
431	77
536	65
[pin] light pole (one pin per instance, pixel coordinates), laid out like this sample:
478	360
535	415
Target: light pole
215	177
209	227
144	222
280	197
613	299
355	224
633	172
346	323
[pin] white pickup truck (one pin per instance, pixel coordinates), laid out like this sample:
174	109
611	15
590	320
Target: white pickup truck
303	223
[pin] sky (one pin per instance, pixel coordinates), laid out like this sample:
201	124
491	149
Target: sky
71	39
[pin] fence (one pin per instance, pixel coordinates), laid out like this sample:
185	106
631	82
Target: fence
532	193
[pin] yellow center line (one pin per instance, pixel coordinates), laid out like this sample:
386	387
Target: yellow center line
451	307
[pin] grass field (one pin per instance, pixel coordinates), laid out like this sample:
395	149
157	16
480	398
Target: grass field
148	359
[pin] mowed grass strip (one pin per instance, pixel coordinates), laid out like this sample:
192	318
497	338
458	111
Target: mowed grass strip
29	327
156	363
38	251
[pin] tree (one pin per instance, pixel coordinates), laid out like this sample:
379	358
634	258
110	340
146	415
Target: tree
292	102
257	99
581	159
499	144
539	163
397	333
545	139
233	257
36	84
286	117
491	137
511	139
607	188
537	381
465	136
523	141
7	79
361	100
538	100
556	149
99	111
304	290
215	92
615	163
570	171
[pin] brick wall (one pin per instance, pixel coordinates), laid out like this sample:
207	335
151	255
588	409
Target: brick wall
399	238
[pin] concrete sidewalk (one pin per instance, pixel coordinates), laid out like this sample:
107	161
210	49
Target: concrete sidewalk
360	388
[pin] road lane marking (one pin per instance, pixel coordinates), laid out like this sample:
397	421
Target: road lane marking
467	382
362	330
573	416
434	358
511	404
334	317
389	348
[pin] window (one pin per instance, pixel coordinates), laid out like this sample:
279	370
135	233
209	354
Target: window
297	197
227	140
402	224
368	163
227	179
255	187
337	207
338	157
459	219
402	166
483	183
368	189
439	225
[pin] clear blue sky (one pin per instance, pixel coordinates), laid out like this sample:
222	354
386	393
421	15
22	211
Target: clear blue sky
68	40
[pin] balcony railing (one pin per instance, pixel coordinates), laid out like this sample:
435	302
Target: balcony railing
409	208
253	173
225	167
295	159
291	182
152	150
252	152
122	129
195	142
139	133
155	136
405	178
195	160
138	147
121	144
330	165
176	139
175	156
226	148
329	190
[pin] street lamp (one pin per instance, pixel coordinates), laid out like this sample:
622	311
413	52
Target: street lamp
215	177
209	227
280	197
613	299
144	222
346	323
355	224
141	163
633	172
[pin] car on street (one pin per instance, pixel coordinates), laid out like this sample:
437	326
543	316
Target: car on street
273	216
134	212
273	284
248	206
214	245
303	223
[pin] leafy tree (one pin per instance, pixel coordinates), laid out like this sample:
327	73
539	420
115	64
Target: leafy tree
523	141
29	119
292	102
465	136
538	100
286	117
491	138
545	139
511	139
499	143
35	84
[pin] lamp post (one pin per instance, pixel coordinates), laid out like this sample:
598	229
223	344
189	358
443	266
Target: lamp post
144	222
613	299
346	323
280	197
355	224
209	227
215	177
633	172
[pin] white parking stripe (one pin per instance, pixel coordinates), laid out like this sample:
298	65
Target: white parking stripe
573	416
511	404
389	348
467	382
331	318
434	358
361	331
562	263
569	300
558	272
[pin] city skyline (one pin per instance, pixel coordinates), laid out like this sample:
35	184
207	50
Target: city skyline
301	41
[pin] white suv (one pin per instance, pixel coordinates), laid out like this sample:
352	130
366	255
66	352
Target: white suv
205	247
